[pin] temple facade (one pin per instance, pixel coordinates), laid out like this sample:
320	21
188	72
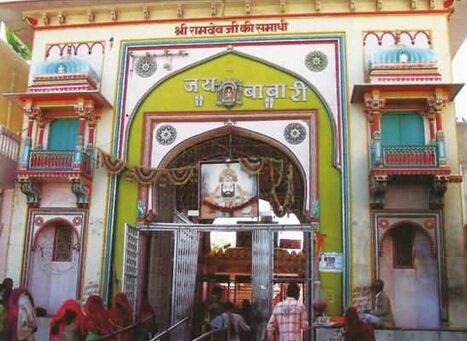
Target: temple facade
173	146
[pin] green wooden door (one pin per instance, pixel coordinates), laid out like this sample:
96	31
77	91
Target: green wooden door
63	133
402	129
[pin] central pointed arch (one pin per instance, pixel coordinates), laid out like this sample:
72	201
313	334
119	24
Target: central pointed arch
237	143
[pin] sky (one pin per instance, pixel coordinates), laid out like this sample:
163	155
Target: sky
460	76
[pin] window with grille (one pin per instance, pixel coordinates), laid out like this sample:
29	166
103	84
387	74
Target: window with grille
63	243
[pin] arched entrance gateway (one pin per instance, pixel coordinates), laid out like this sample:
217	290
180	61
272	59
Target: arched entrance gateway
227	192
238	242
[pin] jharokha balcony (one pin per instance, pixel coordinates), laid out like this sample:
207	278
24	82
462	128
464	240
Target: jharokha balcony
41	166
426	163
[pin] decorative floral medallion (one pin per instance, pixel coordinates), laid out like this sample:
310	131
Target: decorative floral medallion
77	220
316	61
166	134
383	223
39	221
295	133
429	223
145	66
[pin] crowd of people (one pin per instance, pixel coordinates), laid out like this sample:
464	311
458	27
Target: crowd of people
72	321
92	320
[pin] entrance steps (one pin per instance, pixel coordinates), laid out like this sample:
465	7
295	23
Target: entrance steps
397	334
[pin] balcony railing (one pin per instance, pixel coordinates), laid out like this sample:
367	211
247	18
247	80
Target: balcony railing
410	157
9	144
57	161
9	151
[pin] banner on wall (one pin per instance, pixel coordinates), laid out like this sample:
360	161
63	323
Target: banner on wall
227	190
330	262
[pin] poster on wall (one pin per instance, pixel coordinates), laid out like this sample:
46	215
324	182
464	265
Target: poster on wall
227	190
330	262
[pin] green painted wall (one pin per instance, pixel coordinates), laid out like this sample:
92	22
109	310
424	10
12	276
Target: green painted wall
170	96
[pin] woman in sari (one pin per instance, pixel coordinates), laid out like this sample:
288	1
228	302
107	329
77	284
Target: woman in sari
59	321
21	316
96	322
121	316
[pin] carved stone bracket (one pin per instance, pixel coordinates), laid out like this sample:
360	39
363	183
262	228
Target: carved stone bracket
28	187
438	188
373	102
437	103
81	191
378	186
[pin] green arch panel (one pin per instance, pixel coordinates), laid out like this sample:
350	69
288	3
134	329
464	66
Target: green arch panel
169	96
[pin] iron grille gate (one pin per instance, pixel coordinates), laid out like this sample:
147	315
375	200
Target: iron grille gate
185	253
130	264
184	278
262	272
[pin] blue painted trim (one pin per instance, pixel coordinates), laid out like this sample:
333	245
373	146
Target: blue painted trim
346	247
107	265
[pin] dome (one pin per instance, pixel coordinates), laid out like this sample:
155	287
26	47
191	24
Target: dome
403	54
66	65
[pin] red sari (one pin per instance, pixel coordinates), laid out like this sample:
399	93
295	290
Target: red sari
58	324
95	316
27	318
356	329
121	316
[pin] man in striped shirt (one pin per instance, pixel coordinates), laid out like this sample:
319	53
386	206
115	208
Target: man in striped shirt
289	318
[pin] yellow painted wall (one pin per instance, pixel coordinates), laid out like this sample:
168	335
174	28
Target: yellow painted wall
14	77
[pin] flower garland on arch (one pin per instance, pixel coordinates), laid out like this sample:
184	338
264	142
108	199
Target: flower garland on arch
111	163
146	175
253	166
273	168
230	209
281	208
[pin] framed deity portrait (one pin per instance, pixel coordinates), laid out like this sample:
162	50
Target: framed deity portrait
227	190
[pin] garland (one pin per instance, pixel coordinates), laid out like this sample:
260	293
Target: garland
182	175
144	175
229	209
111	163
252	166
281	208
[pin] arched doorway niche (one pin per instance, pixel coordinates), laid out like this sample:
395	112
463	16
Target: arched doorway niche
229	144
409	265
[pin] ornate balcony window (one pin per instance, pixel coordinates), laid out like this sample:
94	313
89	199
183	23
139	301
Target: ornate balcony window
404	102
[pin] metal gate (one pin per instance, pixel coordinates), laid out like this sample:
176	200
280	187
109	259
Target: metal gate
185	261
130	264
184	278
262	273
